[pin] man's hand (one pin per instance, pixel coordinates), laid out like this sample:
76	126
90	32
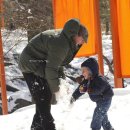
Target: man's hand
57	95
55	98
72	100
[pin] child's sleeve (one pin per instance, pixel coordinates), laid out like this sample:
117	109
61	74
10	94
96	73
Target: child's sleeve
77	93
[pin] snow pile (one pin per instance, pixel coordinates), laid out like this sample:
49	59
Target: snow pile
78	116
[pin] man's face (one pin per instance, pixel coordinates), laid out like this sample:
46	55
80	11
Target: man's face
79	40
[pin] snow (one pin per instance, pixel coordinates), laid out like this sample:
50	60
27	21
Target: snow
78	116
67	117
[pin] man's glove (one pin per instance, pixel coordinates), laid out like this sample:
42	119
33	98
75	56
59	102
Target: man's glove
57	95
72	100
55	98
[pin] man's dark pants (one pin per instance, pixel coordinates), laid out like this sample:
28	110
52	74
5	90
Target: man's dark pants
41	94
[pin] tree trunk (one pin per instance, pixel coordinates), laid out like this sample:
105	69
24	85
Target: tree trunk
107	27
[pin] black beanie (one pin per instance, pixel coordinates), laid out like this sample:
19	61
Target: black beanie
92	64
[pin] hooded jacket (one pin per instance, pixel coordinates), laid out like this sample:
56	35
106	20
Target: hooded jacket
98	87
49	50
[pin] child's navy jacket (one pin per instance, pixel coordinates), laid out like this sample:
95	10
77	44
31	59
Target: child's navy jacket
98	87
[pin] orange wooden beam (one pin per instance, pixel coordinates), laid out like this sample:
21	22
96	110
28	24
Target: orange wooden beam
2	80
98	38
2	76
1	14
115	44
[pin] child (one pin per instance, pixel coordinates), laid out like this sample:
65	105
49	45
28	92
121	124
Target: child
99	91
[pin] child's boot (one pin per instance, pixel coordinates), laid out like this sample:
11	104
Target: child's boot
109	129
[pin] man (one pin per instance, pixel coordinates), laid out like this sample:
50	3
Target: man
40	62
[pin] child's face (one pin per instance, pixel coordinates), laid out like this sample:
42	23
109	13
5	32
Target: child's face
85	72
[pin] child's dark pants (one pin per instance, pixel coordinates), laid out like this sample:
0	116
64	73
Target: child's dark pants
100	118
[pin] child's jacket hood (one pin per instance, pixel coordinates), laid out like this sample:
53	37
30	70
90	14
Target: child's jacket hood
92	64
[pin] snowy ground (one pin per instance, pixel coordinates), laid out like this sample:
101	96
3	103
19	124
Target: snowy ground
66	117
74	117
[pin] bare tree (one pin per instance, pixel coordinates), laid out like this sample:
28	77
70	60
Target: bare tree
33	15
105	14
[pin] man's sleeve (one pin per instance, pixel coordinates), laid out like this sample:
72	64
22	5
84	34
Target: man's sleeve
56	55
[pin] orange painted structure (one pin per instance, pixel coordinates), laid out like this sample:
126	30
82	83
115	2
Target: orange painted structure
2	71
120	21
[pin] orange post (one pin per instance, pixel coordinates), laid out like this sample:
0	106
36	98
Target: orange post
123	17
115	44
98	38
1	14
2	77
